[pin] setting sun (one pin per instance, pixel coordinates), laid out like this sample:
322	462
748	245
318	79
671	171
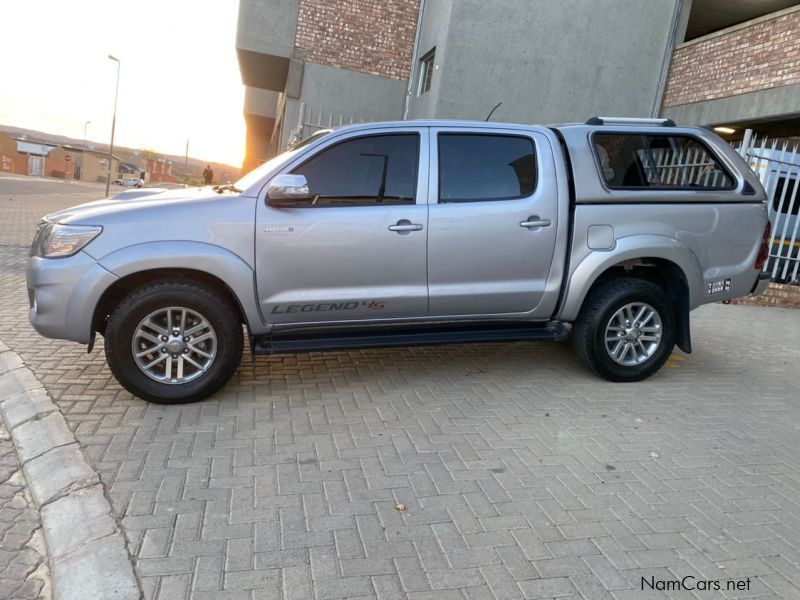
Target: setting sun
179	77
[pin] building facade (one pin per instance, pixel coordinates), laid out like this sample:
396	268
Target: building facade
308	64
159	170
22	156
741	75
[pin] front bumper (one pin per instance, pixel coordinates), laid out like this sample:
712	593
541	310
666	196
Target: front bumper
761	284
63	293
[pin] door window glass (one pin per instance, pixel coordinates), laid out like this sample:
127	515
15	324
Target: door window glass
479	167
374	170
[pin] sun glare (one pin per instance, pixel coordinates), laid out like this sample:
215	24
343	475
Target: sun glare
179	75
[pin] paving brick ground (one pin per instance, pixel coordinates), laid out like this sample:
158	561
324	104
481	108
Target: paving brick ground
522	475
24	572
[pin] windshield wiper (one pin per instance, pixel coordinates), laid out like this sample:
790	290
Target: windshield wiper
228	187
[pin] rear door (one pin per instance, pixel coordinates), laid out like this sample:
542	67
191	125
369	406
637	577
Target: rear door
492	223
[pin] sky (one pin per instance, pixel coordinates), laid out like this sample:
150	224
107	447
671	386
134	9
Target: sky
179	77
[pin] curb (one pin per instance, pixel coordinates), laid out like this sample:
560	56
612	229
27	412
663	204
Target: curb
86	548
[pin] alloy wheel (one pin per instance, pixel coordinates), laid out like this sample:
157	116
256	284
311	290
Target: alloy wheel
633	334
174	345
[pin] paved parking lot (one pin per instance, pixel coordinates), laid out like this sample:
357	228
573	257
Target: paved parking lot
484	471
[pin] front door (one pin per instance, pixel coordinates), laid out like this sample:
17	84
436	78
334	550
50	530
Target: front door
35	165
492	223
356	250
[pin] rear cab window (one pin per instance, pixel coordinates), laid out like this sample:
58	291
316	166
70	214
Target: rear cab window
658	162
479	167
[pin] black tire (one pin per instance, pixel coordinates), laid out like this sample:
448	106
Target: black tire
129	313
589	330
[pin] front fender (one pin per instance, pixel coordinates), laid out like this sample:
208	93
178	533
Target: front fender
586	272
196	256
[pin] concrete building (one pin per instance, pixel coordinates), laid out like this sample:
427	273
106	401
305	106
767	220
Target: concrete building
83	164
738	66
313	63
23	156
159	170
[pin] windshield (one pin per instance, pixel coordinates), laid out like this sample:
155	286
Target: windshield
258	173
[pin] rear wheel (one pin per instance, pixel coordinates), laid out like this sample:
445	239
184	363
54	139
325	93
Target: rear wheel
625	330
173	342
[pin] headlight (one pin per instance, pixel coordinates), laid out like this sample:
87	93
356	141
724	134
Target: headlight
57	241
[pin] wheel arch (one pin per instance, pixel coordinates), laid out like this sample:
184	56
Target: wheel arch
669	264
112	296
203	263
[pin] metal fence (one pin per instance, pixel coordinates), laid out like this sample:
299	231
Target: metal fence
777	165
310	121
687	166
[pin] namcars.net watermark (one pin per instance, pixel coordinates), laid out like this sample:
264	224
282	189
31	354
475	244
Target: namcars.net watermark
692	583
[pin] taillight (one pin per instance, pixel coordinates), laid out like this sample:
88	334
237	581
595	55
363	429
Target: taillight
763	251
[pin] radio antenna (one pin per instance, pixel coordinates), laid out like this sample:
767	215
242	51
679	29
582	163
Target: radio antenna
491	112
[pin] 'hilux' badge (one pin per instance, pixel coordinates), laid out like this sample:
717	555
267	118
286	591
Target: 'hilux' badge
278	229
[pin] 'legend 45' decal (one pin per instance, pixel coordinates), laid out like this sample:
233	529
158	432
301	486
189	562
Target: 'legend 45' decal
326	307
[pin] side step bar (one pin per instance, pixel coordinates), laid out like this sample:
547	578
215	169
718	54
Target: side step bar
322	340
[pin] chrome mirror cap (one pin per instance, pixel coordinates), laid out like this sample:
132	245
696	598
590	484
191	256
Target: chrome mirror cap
289	187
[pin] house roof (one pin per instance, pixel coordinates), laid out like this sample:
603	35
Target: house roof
72	148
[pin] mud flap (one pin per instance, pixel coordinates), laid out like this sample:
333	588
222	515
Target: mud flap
683	335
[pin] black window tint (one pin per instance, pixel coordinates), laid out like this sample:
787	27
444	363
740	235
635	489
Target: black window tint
661	161
379	170
786	198
475	167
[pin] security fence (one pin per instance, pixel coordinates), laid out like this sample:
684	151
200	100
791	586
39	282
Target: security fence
777	165
684	165
310	121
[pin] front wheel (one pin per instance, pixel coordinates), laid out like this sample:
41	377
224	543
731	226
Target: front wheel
172	342
625	330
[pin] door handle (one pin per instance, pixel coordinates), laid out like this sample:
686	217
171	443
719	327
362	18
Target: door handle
535	221
405	226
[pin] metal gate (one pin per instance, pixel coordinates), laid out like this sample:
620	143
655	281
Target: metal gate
777	165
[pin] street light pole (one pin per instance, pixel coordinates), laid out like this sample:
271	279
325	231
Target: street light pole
113	127
83	154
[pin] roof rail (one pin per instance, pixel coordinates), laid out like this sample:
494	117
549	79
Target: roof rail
630	121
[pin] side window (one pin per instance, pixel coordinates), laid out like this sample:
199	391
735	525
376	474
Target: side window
479	167
372	170
659	161
426	67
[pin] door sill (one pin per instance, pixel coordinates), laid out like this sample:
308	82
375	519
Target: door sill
333	338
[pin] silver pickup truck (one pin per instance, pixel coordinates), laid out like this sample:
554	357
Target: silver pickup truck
412	233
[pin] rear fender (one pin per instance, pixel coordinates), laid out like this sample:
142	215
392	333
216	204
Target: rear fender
587	272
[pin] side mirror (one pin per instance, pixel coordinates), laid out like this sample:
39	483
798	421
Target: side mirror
289	188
